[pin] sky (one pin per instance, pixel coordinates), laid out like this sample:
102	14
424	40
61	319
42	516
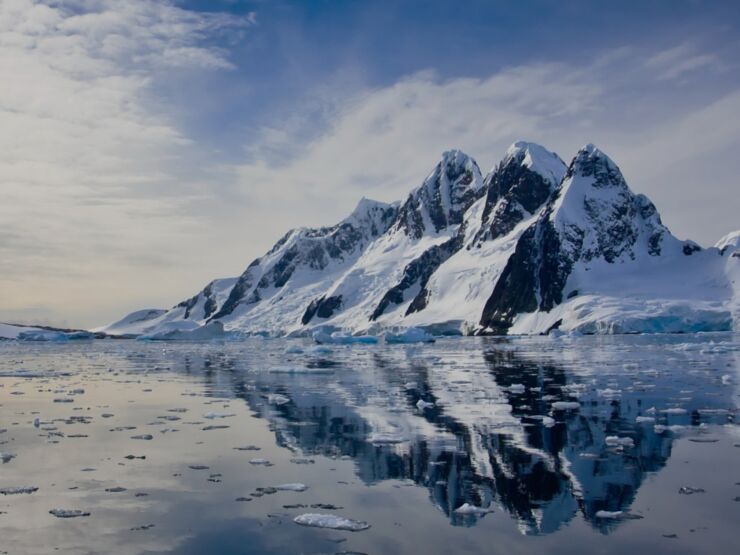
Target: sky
150	146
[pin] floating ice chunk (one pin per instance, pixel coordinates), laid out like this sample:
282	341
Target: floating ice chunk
18	490
409	335
615	441
468	509
6	457
260	462
145	437
688	490
674	410
609	514
644	419
294	350
213	415
42	335
297	486
727	379
517	388
566	405
278	399
421	404
386	438
68	513
548	422
334	522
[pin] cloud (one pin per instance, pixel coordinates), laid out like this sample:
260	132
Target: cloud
93	171
684	58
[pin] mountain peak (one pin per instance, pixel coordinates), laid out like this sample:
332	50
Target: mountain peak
444	196
537	159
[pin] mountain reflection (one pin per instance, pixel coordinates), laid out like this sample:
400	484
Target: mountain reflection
487	440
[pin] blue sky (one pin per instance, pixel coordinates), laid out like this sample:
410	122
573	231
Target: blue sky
152	145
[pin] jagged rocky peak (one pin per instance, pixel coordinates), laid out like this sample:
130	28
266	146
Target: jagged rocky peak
311	250
371	215
440	202
593	216
518	186
598	216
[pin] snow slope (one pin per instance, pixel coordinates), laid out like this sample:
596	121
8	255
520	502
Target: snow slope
532	246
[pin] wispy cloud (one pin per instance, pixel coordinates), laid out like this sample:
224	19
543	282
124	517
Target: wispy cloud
90	160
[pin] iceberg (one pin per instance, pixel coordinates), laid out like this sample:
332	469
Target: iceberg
409	335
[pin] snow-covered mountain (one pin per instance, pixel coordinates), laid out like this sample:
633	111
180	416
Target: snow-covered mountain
533	246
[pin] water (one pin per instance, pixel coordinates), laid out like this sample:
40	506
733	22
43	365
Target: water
398	437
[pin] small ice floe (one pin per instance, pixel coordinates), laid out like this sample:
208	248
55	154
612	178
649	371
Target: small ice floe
302	461
674	410
468	509
294	350
18	490
609	515
68	513
333	522
117	489
566	405
198	467
146	437
278	399
409	335
688	490
143	527
548	422
214	415
644	419
6	457
64	400
727	379
421	404
410	385
615	441
297	486
260	462
380	438
247	448
214	427
517	388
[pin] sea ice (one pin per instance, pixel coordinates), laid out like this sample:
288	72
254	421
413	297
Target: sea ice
331	521
468	509
409	335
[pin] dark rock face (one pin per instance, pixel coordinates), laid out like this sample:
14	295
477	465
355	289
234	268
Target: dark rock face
444	196
610	223
323	307
418	272
209	306
309	248
514	192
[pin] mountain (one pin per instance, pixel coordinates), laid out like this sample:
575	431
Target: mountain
532	247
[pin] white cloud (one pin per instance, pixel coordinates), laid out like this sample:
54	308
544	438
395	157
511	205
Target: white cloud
91	173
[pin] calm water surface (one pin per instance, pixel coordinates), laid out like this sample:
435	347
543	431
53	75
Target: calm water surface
588	445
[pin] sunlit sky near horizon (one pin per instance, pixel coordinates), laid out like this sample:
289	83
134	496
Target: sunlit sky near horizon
149	146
